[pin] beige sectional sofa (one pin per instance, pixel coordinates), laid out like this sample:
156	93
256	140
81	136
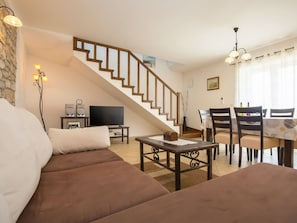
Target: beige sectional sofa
261	193
68	176
72	176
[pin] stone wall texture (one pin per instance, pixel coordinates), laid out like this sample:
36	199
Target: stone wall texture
8	40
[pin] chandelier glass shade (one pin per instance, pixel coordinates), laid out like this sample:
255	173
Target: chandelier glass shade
237	54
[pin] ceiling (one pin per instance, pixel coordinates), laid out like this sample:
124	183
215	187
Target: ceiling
191	33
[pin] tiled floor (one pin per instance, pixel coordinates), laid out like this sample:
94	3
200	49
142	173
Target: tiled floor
130	153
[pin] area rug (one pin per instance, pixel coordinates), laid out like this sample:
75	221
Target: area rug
167	178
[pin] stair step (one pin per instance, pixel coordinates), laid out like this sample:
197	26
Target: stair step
156	107
163	113
94	60
140	94
108	70
88	58
118	78
128	86
171	119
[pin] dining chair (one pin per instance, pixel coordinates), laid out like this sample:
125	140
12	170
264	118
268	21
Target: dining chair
264	112
249	152
286	112
250	131
222	129
203	115
281	112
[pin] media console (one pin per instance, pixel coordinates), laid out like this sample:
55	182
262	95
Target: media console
82	122
74	122
124	133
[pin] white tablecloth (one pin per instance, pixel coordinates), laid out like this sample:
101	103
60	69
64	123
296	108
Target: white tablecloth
282	128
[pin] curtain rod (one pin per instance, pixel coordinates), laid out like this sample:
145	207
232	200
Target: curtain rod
275	52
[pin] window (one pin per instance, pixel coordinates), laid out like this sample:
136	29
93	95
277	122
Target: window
270	81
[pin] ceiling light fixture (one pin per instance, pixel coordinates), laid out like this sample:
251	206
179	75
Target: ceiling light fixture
11	19
237	54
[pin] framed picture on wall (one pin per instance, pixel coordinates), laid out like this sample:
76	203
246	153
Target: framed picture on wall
213	83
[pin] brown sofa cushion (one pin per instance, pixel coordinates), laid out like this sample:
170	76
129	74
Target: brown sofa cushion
259	193
90	192
80	159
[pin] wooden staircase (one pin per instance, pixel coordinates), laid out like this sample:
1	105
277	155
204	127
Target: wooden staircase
133	74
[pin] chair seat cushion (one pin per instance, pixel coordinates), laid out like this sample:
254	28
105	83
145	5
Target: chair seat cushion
224	138
253	141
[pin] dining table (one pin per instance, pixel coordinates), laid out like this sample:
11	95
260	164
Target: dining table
283	128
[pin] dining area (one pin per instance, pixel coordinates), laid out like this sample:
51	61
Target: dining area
248	132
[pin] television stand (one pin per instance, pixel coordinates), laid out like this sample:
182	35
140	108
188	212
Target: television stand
122	134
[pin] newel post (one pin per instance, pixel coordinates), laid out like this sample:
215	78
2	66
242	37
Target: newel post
178	108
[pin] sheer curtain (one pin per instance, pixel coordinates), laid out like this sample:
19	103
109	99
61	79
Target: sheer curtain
269	81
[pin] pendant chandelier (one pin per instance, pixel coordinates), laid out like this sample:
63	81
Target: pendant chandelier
237	54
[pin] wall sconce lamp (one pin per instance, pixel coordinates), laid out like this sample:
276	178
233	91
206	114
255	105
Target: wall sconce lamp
39	78
11	19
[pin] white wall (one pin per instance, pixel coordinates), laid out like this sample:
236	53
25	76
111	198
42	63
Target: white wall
163	69
200	98
172	78
195	92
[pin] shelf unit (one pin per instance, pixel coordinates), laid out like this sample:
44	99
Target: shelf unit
124	133
74	122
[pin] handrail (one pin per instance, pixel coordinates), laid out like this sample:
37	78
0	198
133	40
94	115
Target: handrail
158	100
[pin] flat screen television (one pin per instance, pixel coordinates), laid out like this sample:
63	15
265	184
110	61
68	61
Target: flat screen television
106	115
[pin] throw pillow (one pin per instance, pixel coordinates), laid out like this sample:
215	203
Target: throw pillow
79	139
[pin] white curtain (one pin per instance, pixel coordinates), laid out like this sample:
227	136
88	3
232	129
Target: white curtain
269	81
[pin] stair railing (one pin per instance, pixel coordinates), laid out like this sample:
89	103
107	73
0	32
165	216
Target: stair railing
127	67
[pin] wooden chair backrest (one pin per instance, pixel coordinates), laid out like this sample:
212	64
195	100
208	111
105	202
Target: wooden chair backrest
286	112
203	114
249	120
221	119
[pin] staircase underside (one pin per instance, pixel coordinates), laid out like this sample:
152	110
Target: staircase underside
152	115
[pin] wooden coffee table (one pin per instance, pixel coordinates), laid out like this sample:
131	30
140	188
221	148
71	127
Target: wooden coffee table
187	148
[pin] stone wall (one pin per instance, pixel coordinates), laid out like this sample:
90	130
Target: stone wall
8	39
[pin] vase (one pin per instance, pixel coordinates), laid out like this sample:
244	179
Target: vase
184	124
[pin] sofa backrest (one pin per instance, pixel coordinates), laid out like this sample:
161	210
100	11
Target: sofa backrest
24	149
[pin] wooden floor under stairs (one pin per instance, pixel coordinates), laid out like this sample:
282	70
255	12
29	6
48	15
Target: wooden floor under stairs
191	133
